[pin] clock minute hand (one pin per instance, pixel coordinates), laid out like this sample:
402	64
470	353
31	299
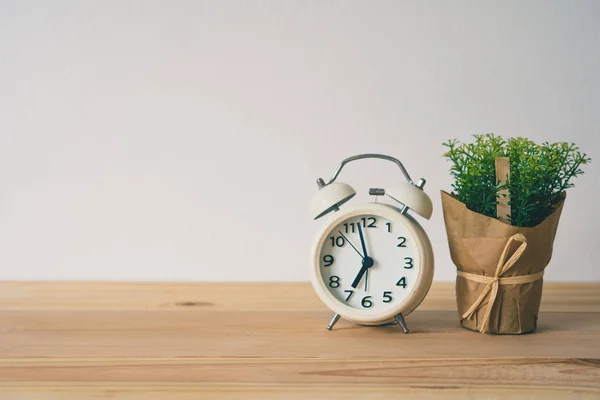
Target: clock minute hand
362	240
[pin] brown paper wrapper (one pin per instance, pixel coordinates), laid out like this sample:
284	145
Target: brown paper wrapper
476	243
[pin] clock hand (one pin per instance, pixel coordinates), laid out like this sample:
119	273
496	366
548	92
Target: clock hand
367	261
366	264
350	243
362	240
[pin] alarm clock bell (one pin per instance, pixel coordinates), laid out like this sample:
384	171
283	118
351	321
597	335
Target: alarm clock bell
413	197
329	198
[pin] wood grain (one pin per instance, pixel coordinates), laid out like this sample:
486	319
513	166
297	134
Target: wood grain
298	296
72	340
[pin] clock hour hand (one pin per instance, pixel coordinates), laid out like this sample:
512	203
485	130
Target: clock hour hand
366	264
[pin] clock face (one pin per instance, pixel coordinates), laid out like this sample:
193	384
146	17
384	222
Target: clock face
370	263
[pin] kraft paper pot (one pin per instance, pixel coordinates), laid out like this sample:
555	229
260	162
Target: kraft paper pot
499	267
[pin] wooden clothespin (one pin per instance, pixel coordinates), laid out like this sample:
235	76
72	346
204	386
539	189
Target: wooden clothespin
502	176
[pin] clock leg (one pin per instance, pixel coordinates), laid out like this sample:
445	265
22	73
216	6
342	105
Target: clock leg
334	320
400	320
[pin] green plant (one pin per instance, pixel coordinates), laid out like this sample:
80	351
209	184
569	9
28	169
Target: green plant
539	174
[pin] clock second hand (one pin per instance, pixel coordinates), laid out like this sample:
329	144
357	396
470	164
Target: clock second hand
350	243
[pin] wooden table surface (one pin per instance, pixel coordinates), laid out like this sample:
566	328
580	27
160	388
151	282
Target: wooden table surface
268	340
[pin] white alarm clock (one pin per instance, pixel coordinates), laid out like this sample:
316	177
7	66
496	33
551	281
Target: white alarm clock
371	263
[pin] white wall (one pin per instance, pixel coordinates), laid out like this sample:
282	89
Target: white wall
174	140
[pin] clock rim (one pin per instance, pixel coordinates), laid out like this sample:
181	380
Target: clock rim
424	278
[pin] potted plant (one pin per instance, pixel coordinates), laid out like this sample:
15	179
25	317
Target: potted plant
501	218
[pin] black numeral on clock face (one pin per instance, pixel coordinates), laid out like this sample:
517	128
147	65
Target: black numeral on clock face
366	302
387	297
401	241
402	282
328	260
369	222
334	281
337	241
409	263
350	293
350	228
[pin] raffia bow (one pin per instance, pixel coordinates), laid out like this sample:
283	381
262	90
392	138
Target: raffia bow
493	282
